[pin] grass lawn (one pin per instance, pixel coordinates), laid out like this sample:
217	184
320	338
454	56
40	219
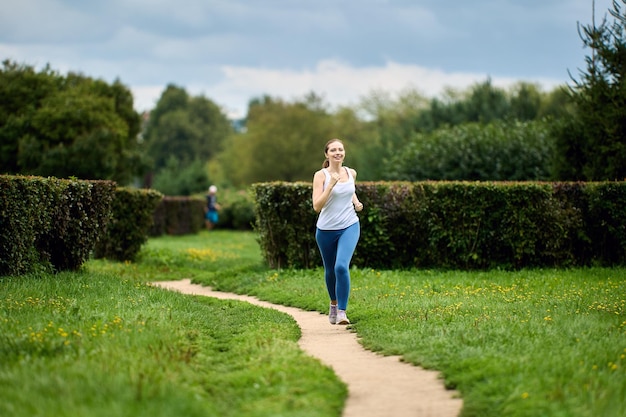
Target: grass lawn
525	343
102	342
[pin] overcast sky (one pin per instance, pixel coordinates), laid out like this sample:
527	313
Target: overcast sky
234	50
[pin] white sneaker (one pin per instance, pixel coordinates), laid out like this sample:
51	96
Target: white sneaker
332	314
342	318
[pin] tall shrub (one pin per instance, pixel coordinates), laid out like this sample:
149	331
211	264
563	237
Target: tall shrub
131	218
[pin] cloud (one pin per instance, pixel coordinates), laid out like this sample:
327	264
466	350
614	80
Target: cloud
235	50
337	82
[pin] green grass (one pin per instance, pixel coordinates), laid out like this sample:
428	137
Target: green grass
102	342
527	343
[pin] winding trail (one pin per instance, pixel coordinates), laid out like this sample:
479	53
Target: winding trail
378	386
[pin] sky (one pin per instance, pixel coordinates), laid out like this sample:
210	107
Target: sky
232	51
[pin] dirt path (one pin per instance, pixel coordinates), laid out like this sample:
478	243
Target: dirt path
378	386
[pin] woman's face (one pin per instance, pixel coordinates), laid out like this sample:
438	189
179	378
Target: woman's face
335	151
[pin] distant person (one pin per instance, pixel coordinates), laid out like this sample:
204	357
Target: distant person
211	215
338	228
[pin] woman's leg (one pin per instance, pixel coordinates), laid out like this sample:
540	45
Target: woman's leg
327	243
345	249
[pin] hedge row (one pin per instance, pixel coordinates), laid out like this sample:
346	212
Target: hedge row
56	224
178	216
51	223
458	225
132	213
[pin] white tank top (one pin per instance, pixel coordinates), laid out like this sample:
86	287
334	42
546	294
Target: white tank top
338	212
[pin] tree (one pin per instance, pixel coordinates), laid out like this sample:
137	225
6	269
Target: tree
361	141
175	179
592	146
283	141
66	126
486	103
188	128
499	151
526	102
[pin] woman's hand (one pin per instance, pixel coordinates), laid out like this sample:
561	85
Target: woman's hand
358	206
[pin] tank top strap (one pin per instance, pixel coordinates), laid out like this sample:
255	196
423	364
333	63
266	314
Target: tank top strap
327	177
349	174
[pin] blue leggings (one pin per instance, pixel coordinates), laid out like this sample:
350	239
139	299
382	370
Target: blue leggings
337	248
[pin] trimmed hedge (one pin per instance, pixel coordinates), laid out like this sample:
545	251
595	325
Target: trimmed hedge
79	215
49	222
237	211
285	222
132	214
178	216
456	225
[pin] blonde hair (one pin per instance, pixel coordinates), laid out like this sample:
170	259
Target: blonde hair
326	162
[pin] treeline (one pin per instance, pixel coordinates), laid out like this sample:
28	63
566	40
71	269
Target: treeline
67	126
53	125
483	133
75	126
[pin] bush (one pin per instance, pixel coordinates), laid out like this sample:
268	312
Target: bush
178	216
285	222
177	179
131	219
79	214
237	211
25	205
500	151
53	223
459	225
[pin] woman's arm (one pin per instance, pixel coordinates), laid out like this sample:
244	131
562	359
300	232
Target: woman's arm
358	206
320	195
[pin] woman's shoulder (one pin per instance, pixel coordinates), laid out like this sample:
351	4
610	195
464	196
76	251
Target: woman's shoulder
319	175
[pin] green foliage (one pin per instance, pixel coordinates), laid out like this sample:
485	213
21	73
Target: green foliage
360	140
387	235
237	211
70	126
178	216
131	218
79	214
187	128
25	207
592	146
283	141
185	180
500	151
606	221
285	223
381	129
459	225
455	122
50	223
21	90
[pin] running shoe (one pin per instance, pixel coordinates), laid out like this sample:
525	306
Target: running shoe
342	318
332	314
